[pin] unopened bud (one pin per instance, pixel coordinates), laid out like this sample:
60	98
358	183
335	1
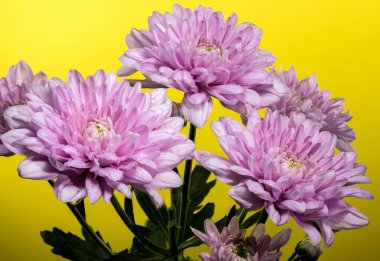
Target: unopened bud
307	250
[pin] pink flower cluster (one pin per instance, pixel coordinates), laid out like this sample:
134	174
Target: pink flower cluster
12	92
203	55
305	97
97	135
287	165
232	245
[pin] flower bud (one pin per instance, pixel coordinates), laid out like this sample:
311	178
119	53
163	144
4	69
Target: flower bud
308	250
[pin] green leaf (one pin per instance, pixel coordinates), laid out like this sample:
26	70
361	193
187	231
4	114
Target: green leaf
192	242
72	247
141	230
122	256
150	210
128	208
198	219
221	223
138	247
251	220
89	238
231	214
157	236
199	189
154	231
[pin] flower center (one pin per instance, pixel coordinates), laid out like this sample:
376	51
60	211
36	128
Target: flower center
209	48
240	250
99	129
292	162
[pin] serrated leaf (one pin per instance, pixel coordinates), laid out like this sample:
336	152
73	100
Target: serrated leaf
150	209
157	236
72	247
198	219
199	189
88	237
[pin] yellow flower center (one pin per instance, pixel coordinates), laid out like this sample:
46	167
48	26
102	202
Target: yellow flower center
99	129
209	48
294	164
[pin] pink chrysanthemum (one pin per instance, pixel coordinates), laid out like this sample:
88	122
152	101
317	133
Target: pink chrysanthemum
232	245
203	55
96	136
306	97
12	92
288	166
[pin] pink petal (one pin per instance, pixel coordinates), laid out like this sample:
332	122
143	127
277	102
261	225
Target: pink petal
310	230
37	168
168	179
68	190
197	114
245	198
14	140
17	116
93	188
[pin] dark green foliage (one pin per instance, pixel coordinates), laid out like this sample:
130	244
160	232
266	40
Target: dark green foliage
72	247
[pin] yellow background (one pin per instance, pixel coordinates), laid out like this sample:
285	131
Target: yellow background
337	40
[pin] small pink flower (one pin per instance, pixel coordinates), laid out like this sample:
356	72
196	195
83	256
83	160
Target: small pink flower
232	245
203	55
306	97
12	92
287	165
96	136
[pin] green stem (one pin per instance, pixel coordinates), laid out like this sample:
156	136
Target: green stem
294	255
263	217
186	188
147	84
80	206
129	223
85	225
173	234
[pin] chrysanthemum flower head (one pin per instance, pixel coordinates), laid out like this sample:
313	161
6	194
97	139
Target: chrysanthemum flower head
288	166
12	92
305	97
203	55
232	245
96	136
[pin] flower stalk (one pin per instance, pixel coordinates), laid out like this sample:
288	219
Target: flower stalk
82	221
148	84
186	187
173	234
129	223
